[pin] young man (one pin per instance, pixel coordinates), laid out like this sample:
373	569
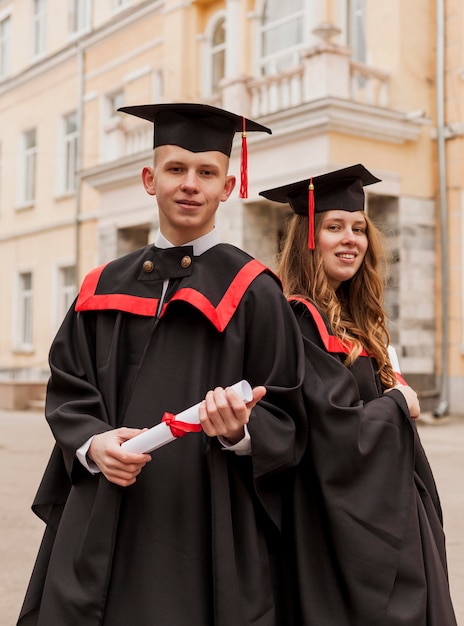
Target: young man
189	534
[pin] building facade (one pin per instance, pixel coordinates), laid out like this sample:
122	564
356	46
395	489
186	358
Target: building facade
338	81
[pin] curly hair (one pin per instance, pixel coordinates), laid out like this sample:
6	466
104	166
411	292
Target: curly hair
355	309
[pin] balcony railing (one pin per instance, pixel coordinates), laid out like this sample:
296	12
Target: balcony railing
277	93
138	139
368	84
271	94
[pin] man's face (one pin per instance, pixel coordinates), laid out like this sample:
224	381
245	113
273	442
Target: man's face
188	187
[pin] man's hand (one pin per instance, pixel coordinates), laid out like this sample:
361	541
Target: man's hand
223	413
117	465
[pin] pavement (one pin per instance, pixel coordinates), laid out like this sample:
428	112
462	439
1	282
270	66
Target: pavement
25	445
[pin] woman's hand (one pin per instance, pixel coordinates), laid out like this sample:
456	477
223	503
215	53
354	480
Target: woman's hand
411	398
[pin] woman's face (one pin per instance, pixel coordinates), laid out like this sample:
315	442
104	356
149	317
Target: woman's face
342	240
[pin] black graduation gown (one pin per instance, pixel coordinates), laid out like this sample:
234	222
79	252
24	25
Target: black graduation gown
192	541
369	547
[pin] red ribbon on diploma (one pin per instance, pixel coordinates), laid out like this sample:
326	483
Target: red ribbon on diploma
179	428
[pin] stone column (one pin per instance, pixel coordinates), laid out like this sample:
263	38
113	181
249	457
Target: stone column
233	39
235	96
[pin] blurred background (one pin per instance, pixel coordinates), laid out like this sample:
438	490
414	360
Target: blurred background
339	82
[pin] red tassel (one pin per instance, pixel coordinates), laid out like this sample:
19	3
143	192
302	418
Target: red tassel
244	164
311	243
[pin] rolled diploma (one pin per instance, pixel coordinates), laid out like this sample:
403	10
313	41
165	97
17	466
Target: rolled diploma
394	359
161	434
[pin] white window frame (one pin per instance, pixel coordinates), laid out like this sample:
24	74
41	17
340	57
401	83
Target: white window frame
268	65
27	169
64	292
39	28
24	313
111	128
113	101
5	45
68	149
210	50
80	16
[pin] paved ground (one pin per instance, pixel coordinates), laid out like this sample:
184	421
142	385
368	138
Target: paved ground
25	444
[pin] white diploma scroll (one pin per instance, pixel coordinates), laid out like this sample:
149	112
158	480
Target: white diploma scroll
161	434
395	363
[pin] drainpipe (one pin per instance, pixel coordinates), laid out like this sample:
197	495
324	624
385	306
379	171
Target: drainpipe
78	165
442	408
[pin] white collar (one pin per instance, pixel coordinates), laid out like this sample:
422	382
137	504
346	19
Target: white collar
200	245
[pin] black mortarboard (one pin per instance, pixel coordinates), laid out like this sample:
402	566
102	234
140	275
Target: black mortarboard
197	128
342	189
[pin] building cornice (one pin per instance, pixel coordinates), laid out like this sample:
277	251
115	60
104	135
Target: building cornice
328	115
39	68
116	173
22	233
319	117
121	21
82	42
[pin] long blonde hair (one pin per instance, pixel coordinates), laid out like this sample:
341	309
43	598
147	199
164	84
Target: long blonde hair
355	310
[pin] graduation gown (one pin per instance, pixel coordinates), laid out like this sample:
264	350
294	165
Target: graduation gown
367	542
193	541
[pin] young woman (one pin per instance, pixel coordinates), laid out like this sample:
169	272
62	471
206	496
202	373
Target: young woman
364	526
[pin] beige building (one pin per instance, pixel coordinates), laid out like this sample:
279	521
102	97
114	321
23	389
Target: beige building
338	81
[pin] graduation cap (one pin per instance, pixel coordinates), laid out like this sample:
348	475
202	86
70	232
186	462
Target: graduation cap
342	190
198	128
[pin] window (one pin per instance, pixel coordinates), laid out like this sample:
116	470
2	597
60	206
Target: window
113	102
28	168
113	137
214	55
217	55
357	29
24	317
282	35
66	291
39	22
80	14
5	44
70	137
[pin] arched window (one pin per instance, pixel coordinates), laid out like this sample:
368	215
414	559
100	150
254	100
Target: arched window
282	35
217	54
213	56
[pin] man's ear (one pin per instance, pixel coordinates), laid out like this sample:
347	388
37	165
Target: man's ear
148	180
228	187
